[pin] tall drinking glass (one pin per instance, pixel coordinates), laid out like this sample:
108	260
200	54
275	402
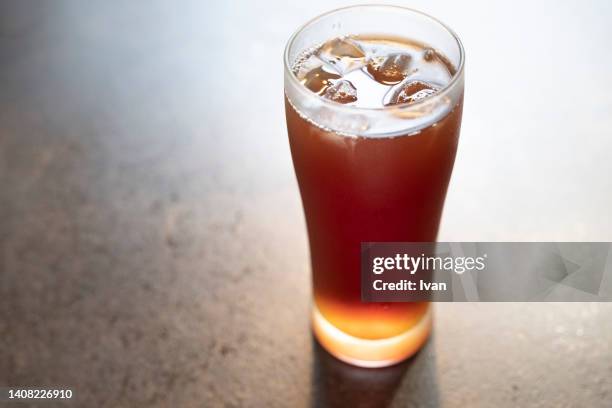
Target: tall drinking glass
370	173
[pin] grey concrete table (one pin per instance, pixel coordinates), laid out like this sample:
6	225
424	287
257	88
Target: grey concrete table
152	245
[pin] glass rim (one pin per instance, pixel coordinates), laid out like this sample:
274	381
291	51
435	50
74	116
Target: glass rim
411	105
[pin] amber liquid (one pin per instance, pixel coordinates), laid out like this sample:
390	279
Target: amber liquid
368	189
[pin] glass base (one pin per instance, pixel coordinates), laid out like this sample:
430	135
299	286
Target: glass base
366	352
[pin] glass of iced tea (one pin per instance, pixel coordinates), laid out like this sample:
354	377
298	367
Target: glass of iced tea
373	98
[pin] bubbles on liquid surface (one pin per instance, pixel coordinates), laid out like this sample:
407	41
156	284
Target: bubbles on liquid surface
341	91
389	69
429	54
410	92
342	53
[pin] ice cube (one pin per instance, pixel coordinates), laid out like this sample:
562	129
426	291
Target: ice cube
343	53
389	69
306	64
319	79
369	48
411	92
341	91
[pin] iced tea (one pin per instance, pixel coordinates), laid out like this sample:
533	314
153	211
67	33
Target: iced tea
371	188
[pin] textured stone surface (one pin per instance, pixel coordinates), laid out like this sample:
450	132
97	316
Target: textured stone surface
152	246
